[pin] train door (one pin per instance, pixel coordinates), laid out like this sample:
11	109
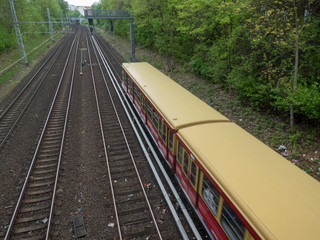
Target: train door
170	148
129	89
178	166
191	171
189	176
144	107
163	136
193	179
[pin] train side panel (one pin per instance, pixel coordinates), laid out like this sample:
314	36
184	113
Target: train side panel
182	167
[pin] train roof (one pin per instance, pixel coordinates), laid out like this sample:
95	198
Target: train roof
281	200
180	107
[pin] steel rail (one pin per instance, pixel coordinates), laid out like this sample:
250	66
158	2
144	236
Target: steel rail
57	49
48	58
125	103
129	149
106	55
37	149
62	141
104	144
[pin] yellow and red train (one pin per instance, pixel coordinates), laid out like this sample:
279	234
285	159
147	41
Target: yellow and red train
239	187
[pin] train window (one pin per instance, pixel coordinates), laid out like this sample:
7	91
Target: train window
231	223
170	141
132	85
144	104
155	119
137	94
134	92
127	80
164	133
129	84
149	110
194	173
160	128
180	153
185	162
210	195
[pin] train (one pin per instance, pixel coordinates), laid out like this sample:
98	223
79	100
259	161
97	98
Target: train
239	187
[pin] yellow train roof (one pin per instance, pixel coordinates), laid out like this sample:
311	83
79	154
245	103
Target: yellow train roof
282	200
180	107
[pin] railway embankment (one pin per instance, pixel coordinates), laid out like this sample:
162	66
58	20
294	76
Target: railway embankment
12	71
300	146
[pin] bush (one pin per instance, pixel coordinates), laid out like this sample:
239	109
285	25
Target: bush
307	101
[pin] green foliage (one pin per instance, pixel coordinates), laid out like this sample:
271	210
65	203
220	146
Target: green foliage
307	100
28	11
74	13
248	46
7	39
294	139
200	66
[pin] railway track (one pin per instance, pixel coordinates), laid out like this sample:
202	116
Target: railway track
15	110
34	209
132	209
139	209
114	59
187	215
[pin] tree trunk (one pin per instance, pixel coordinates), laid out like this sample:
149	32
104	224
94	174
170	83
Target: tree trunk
296	65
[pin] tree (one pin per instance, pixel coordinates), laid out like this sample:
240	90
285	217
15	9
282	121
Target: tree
281	23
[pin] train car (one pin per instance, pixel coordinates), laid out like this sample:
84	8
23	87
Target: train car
239	187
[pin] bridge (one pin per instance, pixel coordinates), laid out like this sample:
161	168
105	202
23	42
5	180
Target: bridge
107	14
91	14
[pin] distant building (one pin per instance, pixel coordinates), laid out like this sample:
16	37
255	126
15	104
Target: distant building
79	8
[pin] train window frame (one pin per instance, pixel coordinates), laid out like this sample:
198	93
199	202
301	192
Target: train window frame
210	195
193	163
164	132
134	92
149	111
160	128
228	227
185	165
138	94
155	120
129	84
143	103
179	153
132	86
170	144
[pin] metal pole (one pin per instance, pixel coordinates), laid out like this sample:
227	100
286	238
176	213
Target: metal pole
23	55
50	25
133	58
81	61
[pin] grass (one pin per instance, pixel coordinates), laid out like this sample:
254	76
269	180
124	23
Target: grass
9	74
7	58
